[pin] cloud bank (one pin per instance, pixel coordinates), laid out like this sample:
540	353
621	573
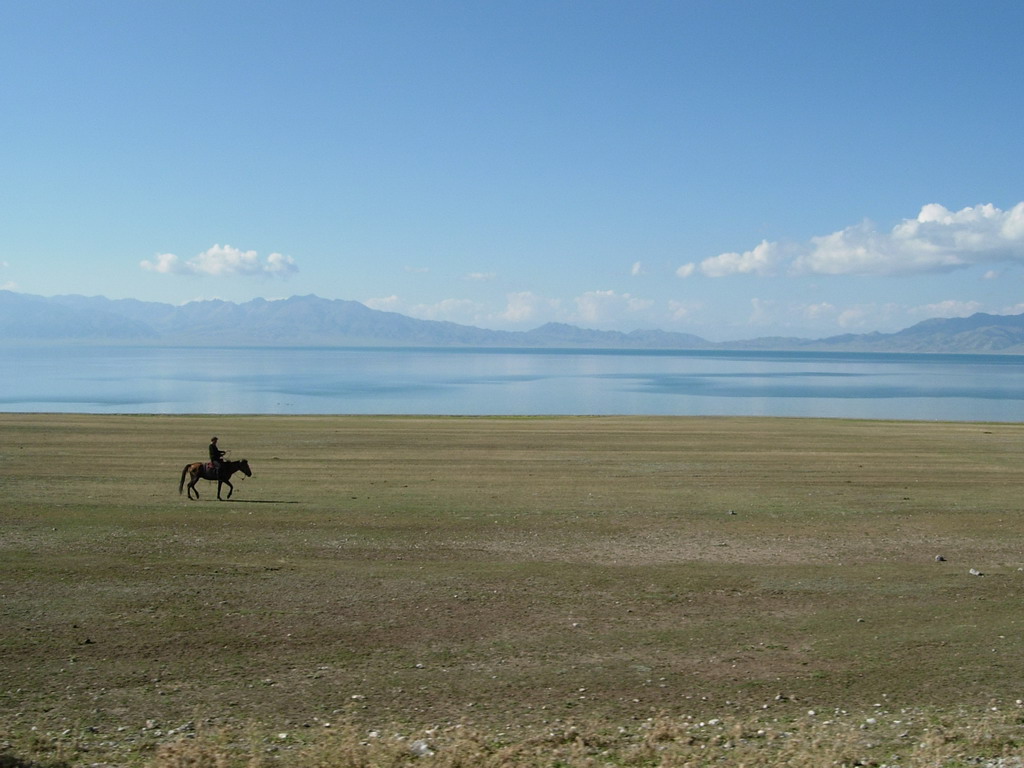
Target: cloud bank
605	306
938	240
223	261
592	308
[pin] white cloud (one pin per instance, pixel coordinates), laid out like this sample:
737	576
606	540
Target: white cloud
890	316
223	261
762	311
521	308
453	310
480	276
948	308
165	263
385	303
686	270
937	240
594	308
682	310
763	259
605	306
857	316
637	269
815	319
526	306
278	263
820	310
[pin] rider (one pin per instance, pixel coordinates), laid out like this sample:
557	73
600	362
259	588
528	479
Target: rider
215	454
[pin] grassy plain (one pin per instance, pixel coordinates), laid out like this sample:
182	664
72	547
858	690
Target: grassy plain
516	579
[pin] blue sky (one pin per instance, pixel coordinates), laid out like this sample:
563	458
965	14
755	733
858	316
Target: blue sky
729	169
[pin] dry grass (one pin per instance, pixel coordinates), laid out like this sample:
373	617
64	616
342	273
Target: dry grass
499	582
907	739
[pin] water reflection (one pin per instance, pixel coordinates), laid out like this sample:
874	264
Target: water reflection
511	382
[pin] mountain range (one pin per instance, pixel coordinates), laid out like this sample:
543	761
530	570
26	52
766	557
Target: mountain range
314	321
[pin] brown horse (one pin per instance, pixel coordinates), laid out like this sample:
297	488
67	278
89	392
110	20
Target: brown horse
202	470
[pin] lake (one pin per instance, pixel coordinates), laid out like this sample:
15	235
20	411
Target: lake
273	380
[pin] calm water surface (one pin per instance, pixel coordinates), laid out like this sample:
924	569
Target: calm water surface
511	382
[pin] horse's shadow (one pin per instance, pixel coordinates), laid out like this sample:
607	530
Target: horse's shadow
258	501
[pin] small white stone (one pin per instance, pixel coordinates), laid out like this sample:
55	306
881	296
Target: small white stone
420	748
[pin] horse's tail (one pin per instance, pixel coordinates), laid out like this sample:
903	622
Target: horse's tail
181	485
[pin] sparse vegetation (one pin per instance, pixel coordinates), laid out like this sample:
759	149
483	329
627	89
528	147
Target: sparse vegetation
510	591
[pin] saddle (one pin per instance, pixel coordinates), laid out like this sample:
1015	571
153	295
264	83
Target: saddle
210	468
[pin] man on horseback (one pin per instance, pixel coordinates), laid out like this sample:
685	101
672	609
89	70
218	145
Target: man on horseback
220	471
216	454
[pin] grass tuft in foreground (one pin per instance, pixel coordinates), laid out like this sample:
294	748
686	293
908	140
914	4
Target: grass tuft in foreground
991	738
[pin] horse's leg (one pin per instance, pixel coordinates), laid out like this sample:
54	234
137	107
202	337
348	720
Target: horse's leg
231	488
192	486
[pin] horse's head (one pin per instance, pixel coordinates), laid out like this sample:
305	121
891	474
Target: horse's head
244	466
